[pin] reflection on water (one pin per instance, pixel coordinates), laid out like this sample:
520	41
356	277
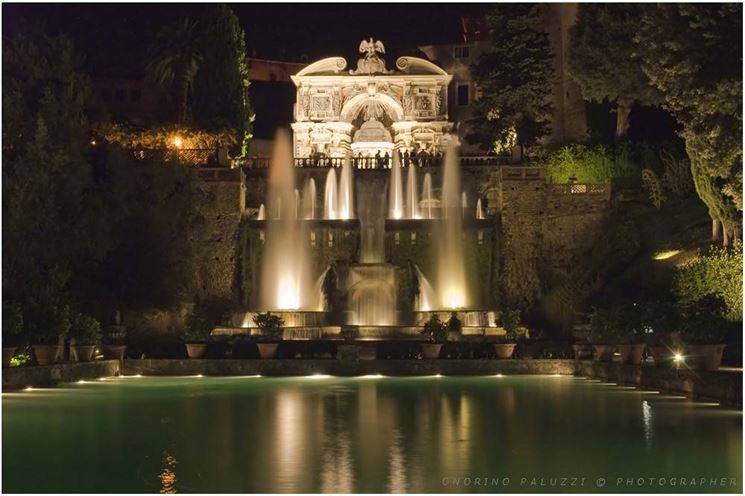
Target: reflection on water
167	475
354	435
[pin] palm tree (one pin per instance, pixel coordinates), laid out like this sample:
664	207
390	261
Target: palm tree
173	60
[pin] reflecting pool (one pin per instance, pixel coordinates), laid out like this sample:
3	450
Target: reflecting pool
365	434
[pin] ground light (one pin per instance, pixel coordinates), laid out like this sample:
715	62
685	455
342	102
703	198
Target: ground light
678	358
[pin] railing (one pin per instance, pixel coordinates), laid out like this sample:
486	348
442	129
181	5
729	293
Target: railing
527	173
188	156
375	162
600	189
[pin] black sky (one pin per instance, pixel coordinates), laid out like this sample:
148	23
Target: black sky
112	36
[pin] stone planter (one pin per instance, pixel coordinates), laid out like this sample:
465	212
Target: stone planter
114	351
582	351
84	352
196	350
631	354
604	352
662	355
504	350
705	356
46	353
267	350
7	355
367	352
431	350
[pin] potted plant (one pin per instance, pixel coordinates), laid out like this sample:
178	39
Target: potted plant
85	332
270	326
51	326
704	331
661	321
603	333
12	327
631	338
437	333
509	320
196	334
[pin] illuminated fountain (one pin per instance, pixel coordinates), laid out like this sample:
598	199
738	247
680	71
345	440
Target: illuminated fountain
395	190
479	210
412	198
262	213
427	299
428	202
286	280
451	273
309	199
330	205
345	199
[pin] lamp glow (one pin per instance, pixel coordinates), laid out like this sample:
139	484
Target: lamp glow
664	255
288	294
178	142
678	358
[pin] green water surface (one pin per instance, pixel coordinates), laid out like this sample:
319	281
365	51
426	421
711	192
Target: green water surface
366	434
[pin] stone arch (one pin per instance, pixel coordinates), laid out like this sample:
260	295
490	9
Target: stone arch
354	105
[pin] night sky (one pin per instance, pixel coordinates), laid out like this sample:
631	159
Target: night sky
112	36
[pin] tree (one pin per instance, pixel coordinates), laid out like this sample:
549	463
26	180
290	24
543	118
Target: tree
173	58
221	84
603	58
692	53
53	226
513	80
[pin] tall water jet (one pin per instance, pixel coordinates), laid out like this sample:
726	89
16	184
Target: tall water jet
479	210
297	203
309	199
412	198
451	273
464	204
346	191
395	190
262	213
427	299
427	194
329	196
285	281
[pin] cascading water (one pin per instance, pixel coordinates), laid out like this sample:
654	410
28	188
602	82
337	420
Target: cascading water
345	200
427	196
451	274
479	210
309	199
330	205
395	190
285	281
412	198
372	294
427	297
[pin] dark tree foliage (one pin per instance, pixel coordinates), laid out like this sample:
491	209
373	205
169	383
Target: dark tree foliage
603	58
513	80
52	217
221	85
173	59
84	225
692	53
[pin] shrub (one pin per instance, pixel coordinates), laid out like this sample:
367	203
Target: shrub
85	329
653	186
12	321
719	271
269	324
197	328
660	319
509	319
47	324
435	330
592	165
704	321
604	325
454	323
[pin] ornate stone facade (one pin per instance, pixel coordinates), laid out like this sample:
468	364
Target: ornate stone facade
371	109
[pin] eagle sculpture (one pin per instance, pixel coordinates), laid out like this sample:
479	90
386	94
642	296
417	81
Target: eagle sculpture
371	63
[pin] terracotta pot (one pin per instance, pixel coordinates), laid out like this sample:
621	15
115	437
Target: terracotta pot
196	350
267	350
582	351
604	352
504	350
631	354
84	352
46	353
662	355
431	350
7	355
705	356
114	351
